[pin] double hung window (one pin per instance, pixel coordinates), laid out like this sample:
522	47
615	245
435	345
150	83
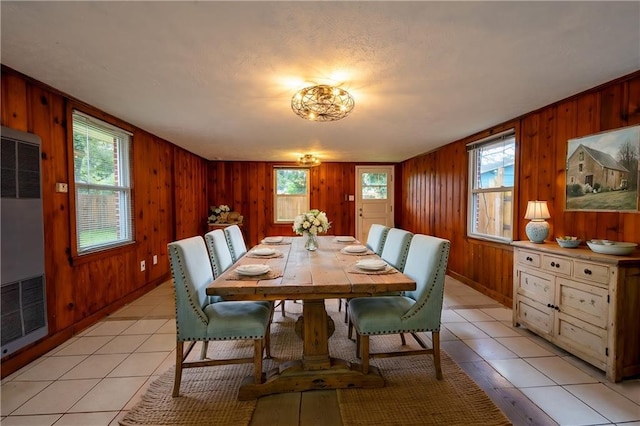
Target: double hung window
491	187
291	193
102	184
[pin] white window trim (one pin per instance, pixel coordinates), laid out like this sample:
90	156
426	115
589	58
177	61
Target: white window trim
276	196
472	157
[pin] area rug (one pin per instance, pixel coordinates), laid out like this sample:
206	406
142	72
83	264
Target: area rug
411	396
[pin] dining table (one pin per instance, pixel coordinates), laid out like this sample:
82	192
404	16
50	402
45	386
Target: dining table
310	276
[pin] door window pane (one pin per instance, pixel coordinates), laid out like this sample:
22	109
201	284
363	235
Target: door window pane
374	186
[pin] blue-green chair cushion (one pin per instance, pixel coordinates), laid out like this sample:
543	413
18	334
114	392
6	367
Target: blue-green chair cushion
237	320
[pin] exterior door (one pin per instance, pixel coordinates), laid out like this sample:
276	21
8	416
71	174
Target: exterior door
374	198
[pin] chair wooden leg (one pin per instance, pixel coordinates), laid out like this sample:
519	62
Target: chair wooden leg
267	342
257	361
339	305
435	337
403	340
350	331
346	310
284	314
358	353
203	349
364	353
178	376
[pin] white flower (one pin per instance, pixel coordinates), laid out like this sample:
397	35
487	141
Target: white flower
313	221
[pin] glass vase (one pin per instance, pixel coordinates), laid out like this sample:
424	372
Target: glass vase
311	242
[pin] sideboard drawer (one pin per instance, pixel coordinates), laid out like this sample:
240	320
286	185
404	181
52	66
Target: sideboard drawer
591	272
536	286
528	258
558	265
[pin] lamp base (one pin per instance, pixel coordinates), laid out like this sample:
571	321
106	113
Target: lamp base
537	231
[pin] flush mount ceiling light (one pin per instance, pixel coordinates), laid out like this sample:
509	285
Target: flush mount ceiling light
308	160
322	103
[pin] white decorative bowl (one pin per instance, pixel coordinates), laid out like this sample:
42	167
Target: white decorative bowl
611	247
568	243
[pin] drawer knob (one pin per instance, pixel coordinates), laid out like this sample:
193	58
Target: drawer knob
587	271
529	259
557	265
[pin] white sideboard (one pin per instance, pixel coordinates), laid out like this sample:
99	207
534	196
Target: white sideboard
584	302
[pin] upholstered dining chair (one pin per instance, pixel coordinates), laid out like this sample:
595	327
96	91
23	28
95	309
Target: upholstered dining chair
199	320
376	237
394	252
414	311
219	252
235	241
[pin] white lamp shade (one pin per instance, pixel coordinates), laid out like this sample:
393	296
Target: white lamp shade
537	210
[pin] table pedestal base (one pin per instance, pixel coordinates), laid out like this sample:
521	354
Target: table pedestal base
292	377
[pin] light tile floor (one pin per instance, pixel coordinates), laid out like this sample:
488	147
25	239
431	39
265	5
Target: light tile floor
95	377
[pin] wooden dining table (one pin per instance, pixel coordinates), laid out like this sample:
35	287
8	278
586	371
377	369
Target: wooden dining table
310	276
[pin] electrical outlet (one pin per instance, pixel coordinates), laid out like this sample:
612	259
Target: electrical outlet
62	187
155	259
143	266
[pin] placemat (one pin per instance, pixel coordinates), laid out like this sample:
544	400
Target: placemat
272	274
353	269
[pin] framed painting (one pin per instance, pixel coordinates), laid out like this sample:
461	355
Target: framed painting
602	171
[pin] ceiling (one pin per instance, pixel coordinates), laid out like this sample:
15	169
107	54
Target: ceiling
217	77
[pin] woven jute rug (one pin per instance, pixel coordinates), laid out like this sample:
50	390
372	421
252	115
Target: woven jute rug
411	396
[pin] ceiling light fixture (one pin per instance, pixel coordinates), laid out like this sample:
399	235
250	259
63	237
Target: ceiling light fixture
322	103
308	160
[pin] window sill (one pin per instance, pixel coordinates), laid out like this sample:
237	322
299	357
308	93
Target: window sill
100	254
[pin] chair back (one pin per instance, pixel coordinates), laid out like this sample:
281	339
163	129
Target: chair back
427	265
192	273
396	247
235	241
219	252
376	237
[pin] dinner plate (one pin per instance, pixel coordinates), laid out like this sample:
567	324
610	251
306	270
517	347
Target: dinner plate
355	249
263	251
371	264
273	239
345	239
253	269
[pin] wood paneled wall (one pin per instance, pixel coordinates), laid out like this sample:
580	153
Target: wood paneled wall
169	196
434	199
247	187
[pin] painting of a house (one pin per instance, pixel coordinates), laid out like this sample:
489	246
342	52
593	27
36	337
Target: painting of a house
602	171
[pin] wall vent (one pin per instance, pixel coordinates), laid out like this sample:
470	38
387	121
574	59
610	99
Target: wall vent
23	303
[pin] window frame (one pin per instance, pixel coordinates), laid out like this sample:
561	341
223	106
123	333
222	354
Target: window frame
473	150
276	196
98	119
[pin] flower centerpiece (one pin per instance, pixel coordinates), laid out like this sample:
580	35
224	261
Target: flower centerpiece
311	224
218	214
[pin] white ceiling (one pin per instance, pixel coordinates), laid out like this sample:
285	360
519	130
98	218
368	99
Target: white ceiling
217	77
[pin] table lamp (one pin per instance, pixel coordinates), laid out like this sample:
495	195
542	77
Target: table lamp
537	229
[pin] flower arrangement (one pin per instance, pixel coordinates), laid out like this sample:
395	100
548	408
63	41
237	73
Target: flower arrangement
314	222
218	214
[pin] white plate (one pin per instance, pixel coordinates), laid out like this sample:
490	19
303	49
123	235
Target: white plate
263	251
611	247
253	269
345	239
372	264
273	239
355	249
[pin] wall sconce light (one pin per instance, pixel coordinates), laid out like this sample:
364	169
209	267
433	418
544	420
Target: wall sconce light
537	229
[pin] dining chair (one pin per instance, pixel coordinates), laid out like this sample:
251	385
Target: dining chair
235	241
394	252
376	237
415	311
219	253
199	320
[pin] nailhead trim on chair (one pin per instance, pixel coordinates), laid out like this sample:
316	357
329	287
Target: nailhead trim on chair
443	261
214	262
204	320
413	330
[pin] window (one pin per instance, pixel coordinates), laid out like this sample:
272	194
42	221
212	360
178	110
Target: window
102	184
291	194
491	172
374	186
